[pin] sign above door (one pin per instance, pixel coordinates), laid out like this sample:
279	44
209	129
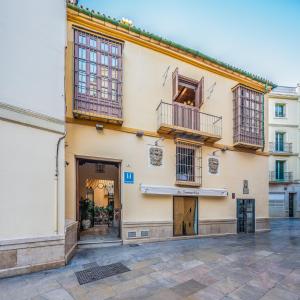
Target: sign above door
178	191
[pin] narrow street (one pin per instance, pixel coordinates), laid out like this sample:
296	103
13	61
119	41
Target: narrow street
254	266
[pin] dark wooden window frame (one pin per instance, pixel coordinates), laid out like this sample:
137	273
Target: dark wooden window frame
189	82
97	74
188	163
247	116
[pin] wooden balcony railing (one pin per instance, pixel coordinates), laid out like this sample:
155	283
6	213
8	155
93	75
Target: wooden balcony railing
280	147
178	118
280	177
98	110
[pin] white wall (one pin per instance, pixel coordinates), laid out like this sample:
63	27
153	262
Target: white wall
27	174
32	60
32	37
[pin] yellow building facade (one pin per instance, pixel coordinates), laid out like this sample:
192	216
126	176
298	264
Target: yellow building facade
182	138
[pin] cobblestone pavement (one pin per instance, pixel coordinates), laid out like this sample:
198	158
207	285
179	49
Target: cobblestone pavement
261	266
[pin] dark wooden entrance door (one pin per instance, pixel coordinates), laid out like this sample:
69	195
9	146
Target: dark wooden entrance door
245	215
291	205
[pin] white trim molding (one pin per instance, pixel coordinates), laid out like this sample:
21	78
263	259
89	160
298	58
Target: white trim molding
30	118
179	191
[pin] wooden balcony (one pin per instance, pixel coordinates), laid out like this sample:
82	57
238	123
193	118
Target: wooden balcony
178	118
280	177
245	138
97	111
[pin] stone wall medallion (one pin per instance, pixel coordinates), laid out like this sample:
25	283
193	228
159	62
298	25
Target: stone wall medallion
155	156
245	187
213	165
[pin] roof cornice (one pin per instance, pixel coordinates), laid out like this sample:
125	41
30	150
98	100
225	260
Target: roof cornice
102	24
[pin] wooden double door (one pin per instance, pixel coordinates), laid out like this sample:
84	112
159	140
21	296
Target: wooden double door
185	216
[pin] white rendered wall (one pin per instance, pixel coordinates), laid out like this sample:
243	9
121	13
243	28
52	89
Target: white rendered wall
27	173
32	59
32	37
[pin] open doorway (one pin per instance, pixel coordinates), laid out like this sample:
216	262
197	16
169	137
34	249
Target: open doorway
245	215
98	200
291	205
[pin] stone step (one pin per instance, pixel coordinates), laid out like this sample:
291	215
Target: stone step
98	244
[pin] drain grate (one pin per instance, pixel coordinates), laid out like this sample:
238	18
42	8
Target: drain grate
100	272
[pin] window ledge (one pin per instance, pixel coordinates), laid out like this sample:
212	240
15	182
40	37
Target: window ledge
79	114
187	183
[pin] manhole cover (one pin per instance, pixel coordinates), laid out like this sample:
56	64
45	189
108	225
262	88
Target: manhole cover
100	272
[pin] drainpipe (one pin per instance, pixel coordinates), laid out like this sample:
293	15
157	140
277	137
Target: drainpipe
56	204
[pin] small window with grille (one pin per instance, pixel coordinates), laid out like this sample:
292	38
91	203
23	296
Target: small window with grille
188	163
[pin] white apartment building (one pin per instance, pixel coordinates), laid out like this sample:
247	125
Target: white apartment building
284	161
32	128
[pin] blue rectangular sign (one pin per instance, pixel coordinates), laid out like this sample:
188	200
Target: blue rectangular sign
129	177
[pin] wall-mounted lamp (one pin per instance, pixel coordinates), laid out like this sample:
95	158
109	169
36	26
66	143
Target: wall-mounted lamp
224	149
160	139
139	134
99	127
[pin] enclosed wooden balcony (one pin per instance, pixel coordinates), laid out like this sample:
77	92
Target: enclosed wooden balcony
97	111
248	118
243	138
178	118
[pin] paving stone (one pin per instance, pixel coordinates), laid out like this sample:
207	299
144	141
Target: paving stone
187	288
59	294
208	293
226	286
232	267
165	294
280	294
247	292
263	253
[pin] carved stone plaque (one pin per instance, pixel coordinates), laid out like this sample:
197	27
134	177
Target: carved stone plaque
213	165
245	187
155	156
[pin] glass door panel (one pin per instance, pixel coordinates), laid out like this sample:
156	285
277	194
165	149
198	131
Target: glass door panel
279	169
245	215
279	145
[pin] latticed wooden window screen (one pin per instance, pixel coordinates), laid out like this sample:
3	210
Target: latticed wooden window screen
97	74
248	116
188	163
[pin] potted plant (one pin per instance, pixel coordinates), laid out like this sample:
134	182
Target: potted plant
86	212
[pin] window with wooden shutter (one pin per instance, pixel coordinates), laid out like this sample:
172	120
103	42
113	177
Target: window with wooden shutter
187	91
175	84
199	93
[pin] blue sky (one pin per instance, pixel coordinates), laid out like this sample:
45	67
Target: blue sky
260	36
